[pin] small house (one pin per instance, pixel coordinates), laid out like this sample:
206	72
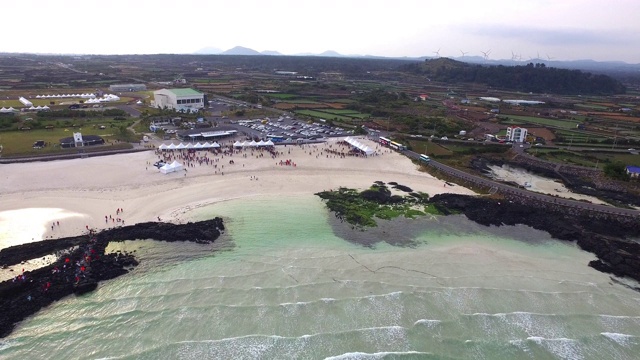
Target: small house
633	171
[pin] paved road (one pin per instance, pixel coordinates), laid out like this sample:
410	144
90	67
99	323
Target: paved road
131	110
504	188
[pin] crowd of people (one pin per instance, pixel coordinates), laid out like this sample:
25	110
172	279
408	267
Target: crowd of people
215	158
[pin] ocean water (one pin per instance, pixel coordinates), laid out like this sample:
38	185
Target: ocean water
289	281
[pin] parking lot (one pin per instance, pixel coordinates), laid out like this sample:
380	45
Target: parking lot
288	129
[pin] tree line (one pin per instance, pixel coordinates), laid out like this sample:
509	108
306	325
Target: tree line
532	77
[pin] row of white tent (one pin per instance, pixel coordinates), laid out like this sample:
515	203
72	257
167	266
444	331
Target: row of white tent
86	96
253	143
169	168
37	108
106	98
360	146
182	146
5	110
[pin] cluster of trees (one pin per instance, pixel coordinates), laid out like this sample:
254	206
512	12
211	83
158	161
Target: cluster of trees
616	170
528	78
7	120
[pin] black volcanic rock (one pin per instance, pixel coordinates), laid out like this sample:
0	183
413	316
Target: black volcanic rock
82	263
605	235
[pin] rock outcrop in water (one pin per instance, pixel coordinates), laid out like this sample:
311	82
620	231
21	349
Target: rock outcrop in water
609	237
81	264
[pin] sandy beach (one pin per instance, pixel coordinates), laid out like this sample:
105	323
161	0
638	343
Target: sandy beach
80	193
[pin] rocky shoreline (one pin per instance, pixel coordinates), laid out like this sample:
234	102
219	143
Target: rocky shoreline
81	264
580	180
610	237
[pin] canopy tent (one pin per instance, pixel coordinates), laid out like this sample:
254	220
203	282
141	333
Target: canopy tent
169	168
235	144
358	145
176	165
196	146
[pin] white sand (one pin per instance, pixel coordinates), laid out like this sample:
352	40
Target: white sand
83	191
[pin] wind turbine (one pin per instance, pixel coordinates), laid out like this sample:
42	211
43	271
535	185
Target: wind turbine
437	52
486	54
549	58
464	53
514	57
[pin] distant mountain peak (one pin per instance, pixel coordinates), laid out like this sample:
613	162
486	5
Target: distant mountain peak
271	52
330	53
240	50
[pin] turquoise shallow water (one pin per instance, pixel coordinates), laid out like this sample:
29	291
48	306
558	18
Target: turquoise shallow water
282	285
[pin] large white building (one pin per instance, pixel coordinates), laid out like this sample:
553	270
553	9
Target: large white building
516	134
179	99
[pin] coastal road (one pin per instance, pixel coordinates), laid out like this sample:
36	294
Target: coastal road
504	188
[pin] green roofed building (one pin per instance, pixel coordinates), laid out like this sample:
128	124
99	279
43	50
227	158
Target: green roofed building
179	99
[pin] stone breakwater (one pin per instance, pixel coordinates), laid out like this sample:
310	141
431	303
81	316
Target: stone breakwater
81	264
609	237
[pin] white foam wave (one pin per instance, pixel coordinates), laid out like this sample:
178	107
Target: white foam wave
378	355
563	348
427	322
621	339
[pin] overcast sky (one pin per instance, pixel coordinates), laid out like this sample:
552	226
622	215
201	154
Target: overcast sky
560	29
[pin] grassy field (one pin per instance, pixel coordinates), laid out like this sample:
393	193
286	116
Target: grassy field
341	111
591	106
563	124
19	142
429	148
589	159
344	113
282	96
321	115
303	101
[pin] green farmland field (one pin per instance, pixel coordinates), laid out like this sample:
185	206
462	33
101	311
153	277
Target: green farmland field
591	106
282	96
563	124
322	115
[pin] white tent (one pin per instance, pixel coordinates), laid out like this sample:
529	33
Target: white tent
215	145
181	146
171	146
167	168
197	146
176	166
235	144
360	146
32	107
269	143
253	143
260	143
45	107
189	146
162	147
